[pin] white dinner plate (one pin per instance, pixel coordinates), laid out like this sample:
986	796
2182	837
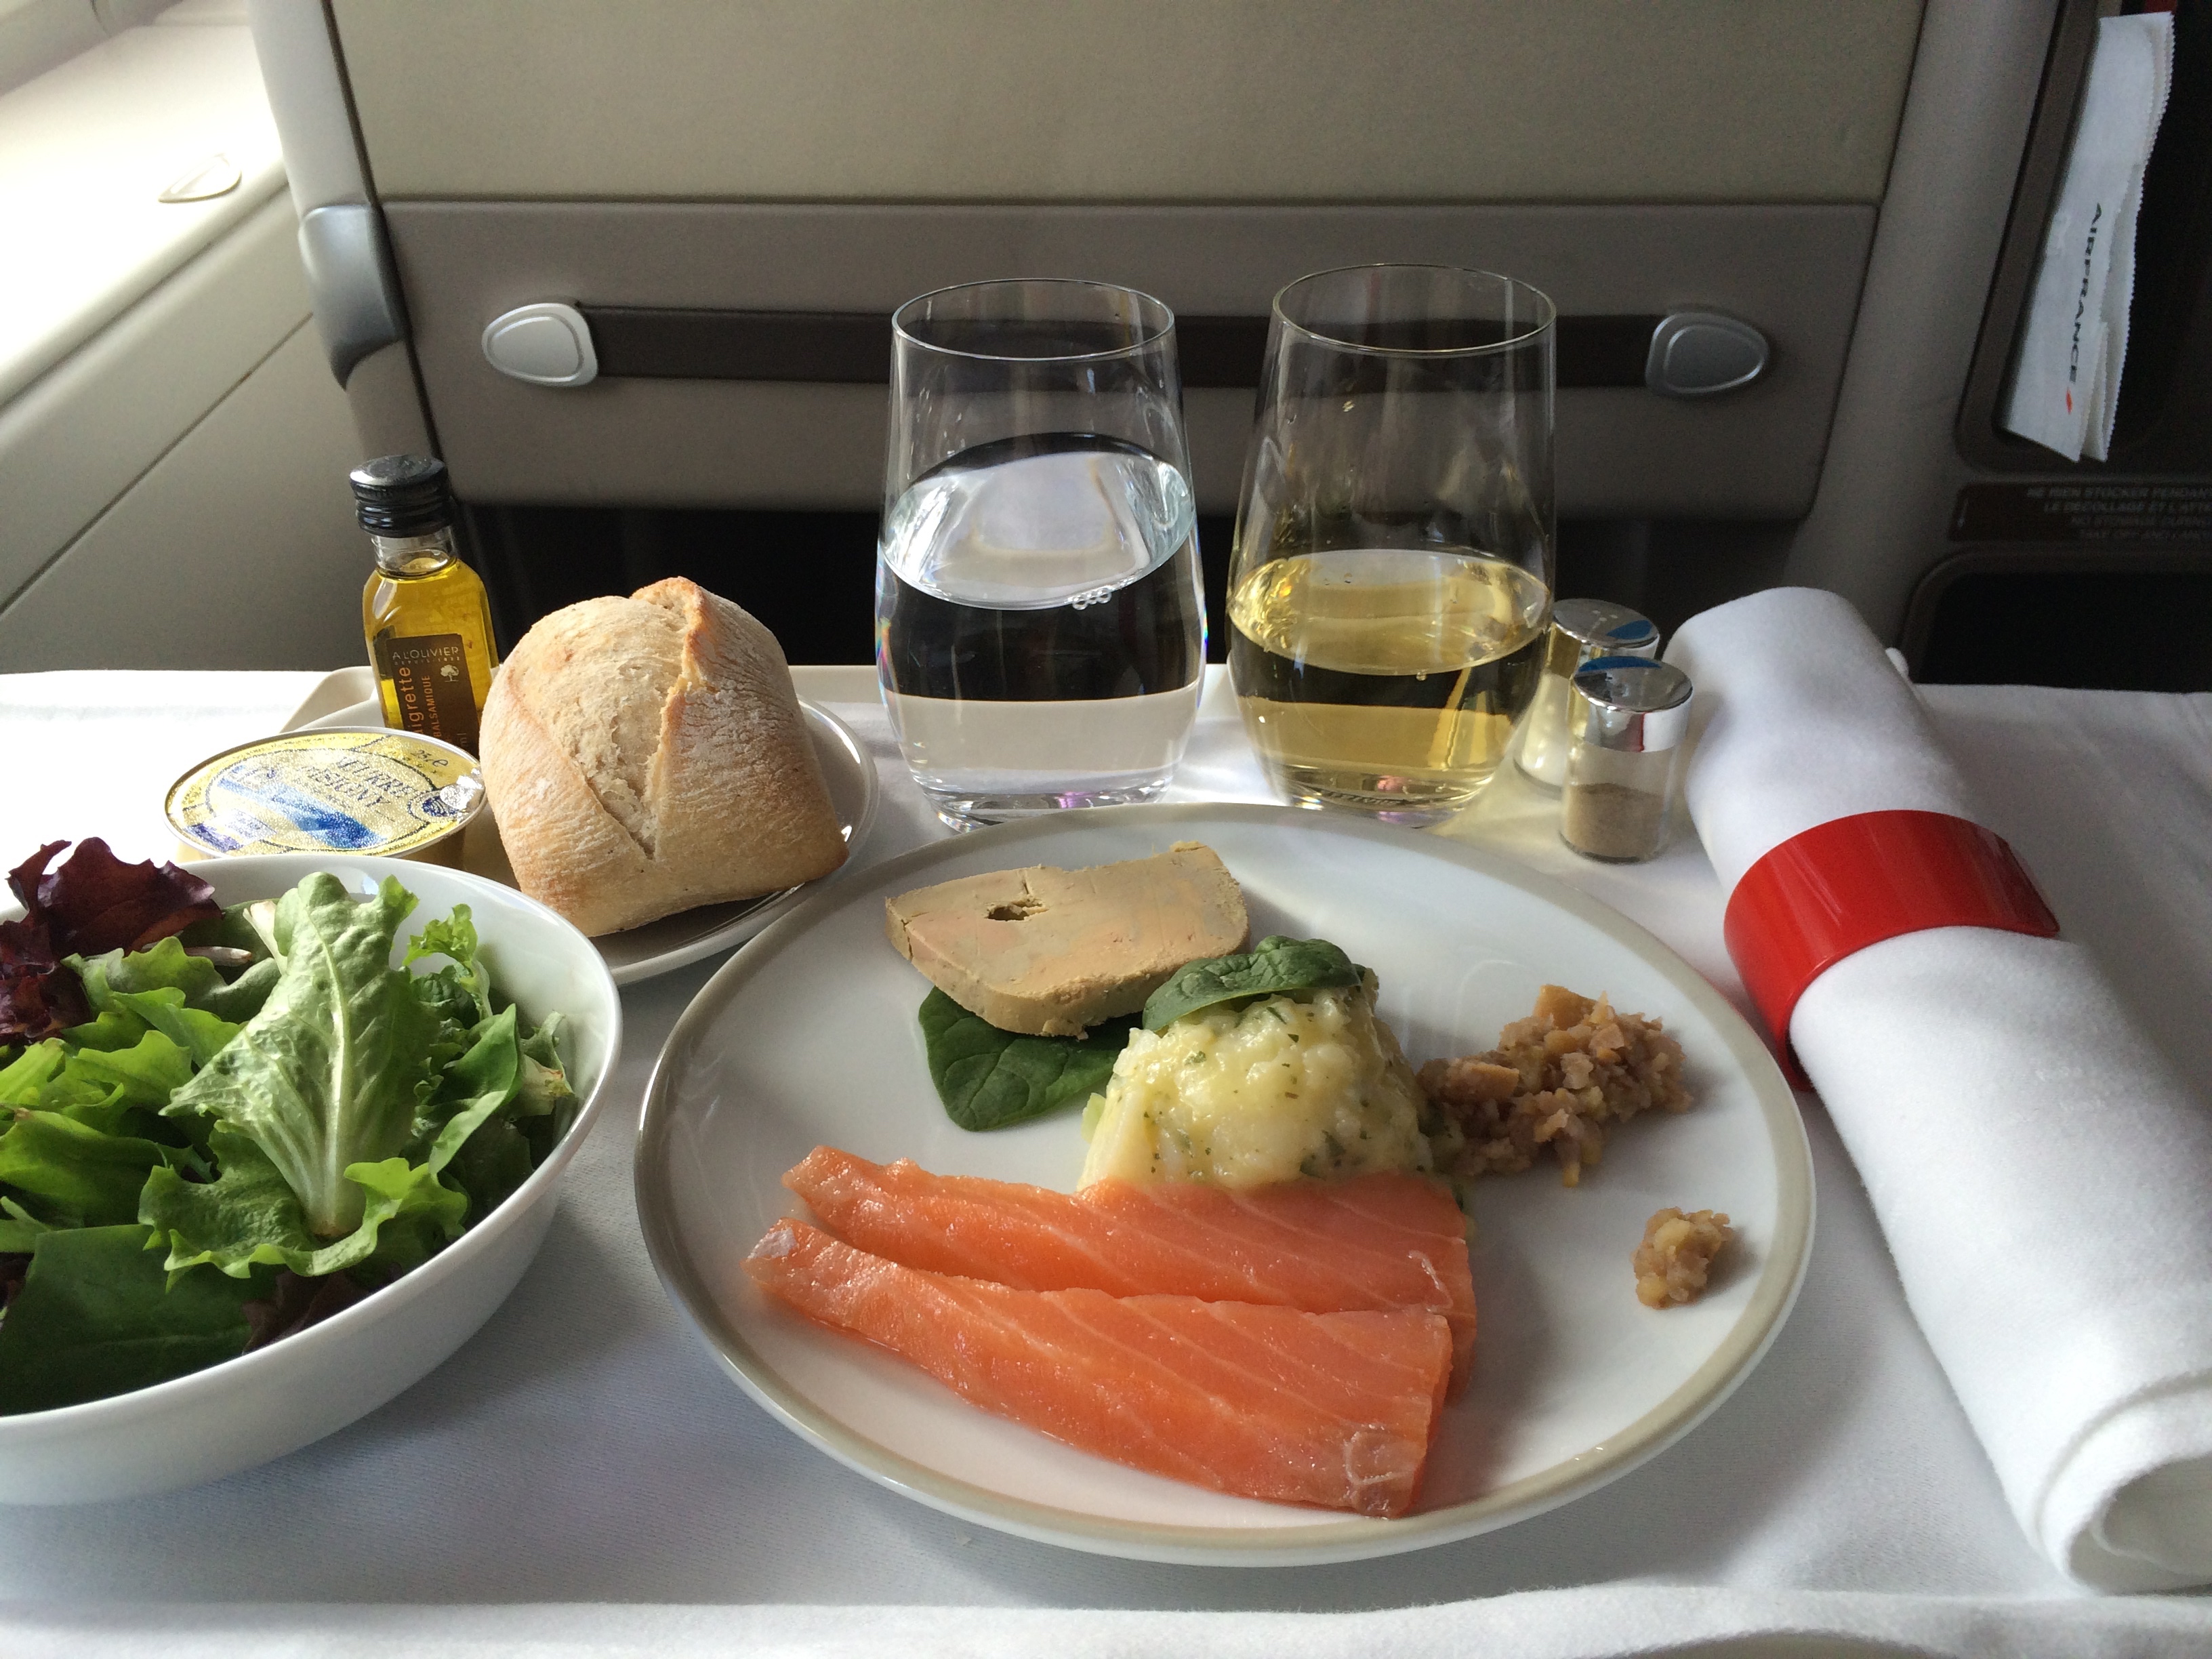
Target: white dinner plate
655	948
808	1037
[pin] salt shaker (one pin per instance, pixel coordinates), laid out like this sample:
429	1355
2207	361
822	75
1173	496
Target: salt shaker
1629	718
1582	630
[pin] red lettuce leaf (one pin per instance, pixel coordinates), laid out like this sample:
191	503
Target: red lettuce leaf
96	903
93	904
13	1266
25	878
294	1304
40	994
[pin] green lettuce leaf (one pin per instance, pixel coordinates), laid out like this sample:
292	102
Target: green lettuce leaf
250	1217
22	1078
545	1111
113	1027
120	1091
73	1174
116	1092
455	938
97	1316
477	1144
112	980
161	967
233	928
545	1091
1277	964
259	918
240	999
322	1080
148	1072
444	994
19	1228
202	1035
473	1087
988	1079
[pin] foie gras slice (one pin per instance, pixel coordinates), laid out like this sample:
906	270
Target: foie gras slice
1051	953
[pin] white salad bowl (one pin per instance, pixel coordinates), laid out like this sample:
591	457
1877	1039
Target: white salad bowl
277	1399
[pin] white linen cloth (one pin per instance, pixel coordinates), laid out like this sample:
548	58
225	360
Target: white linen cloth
2066	386
2039	1167
70	777
581	1478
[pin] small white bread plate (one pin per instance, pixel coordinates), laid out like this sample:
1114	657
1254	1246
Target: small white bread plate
808	1037
277	1399
676	941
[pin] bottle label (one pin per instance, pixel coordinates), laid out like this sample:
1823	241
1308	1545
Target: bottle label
429	675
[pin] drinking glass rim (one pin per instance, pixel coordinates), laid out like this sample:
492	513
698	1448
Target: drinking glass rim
1550	319
1147	343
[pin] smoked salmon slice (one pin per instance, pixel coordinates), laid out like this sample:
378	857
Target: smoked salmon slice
1377	1242
1333	1409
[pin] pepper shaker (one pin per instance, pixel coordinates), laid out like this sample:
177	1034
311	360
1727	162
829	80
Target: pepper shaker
1629	718
1582	631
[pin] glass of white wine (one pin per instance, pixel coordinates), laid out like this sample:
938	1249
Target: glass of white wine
1392	577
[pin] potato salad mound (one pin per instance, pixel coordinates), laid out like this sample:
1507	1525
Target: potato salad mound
1245	1094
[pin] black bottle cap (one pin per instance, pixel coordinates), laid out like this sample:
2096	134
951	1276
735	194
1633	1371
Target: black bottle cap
402	496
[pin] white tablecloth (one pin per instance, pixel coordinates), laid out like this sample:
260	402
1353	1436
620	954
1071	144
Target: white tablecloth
581	1478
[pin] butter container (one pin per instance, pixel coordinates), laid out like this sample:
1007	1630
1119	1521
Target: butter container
343	789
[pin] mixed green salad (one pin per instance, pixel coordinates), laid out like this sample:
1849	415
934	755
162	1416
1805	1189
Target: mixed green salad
224	1125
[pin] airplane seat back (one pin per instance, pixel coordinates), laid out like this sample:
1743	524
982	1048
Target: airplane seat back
724	203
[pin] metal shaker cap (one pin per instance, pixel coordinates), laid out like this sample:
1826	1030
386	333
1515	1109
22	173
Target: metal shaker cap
1630	704
1593	622
1584	628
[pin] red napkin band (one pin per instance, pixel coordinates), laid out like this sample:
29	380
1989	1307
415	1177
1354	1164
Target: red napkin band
1853	882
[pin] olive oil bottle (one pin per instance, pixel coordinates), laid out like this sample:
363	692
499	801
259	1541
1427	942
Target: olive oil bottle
424	613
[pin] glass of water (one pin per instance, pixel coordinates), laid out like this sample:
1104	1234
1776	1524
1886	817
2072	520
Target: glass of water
1040	628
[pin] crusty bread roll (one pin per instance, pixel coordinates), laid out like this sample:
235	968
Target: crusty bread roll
643	756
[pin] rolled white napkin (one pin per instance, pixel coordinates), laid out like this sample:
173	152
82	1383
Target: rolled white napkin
2043	1176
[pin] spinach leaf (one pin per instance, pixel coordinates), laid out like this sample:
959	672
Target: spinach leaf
323	1078
97	1316
1276	964
988	1079
491	1163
